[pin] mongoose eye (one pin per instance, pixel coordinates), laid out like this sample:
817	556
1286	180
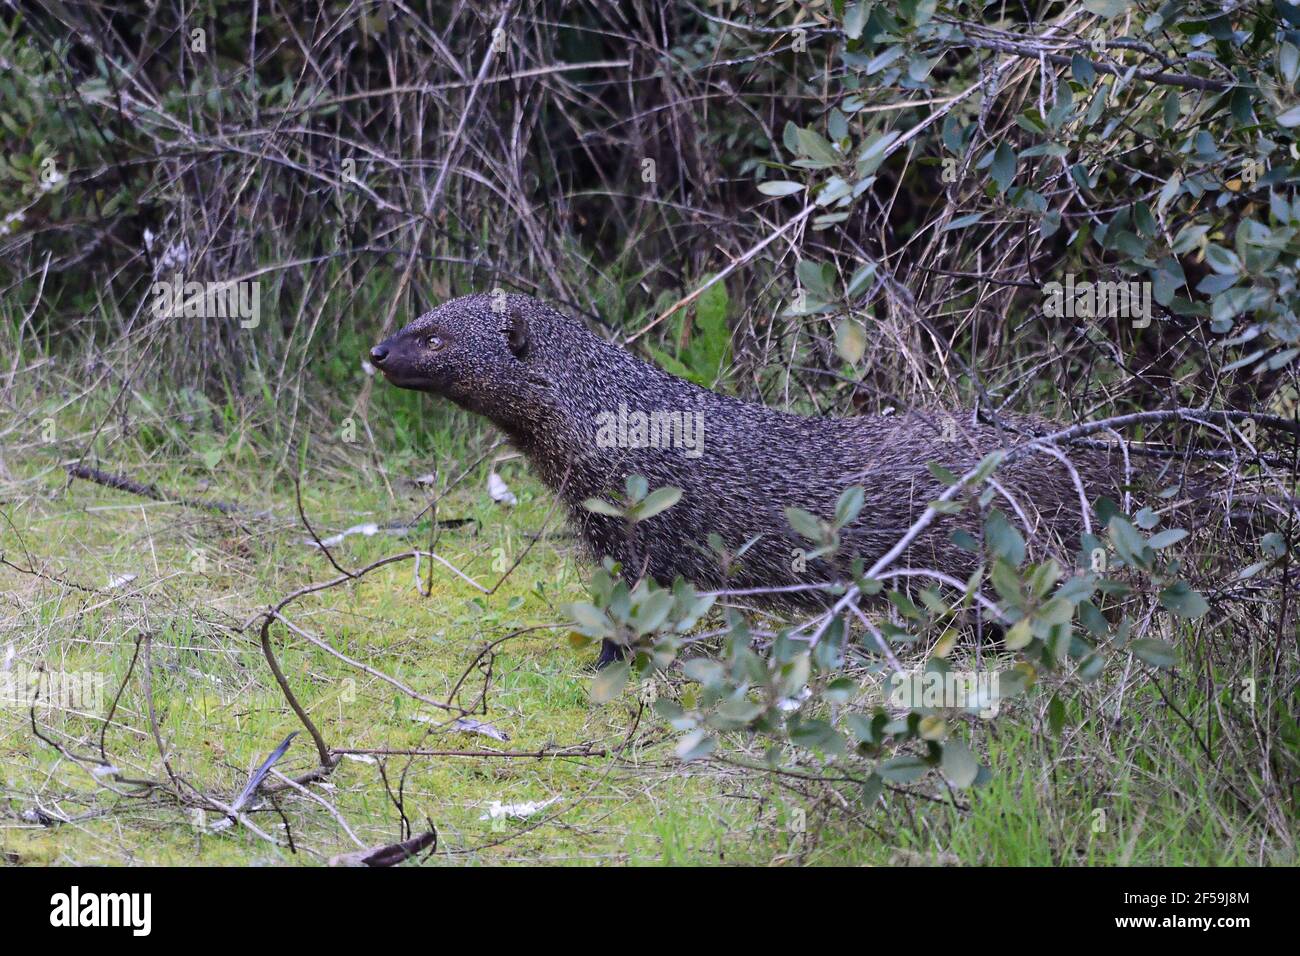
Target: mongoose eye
433	342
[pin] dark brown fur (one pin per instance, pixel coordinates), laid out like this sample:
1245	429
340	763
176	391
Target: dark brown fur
544	379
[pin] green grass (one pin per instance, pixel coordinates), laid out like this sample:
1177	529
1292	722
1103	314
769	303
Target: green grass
220	712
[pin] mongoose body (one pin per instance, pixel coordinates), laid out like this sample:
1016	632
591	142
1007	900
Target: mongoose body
587	414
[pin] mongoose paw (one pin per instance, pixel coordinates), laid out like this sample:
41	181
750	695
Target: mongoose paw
609	653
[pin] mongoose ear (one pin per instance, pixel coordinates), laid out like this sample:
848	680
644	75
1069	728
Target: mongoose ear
516	330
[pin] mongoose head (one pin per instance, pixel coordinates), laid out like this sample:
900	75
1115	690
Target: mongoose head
473	350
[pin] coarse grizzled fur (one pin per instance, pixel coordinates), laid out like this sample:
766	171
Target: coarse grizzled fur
555	389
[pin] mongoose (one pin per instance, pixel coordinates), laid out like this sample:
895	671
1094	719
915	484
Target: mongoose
587	414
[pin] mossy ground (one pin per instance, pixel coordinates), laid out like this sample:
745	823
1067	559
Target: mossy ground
201	578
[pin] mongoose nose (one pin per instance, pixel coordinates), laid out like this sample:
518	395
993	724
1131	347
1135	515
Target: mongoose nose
378	354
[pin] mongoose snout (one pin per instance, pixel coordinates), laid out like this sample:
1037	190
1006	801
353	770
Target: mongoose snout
457	354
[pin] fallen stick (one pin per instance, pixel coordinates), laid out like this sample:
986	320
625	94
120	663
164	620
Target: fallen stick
420	752
152	492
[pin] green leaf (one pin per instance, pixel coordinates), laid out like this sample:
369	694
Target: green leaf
1221	260
696	746
850	341
1145	222
965	540
904	605
932	727
703	670
849	505
1006	581
833	189
814	146
650	614
958	764
1019	635
882	60
1043	577
790	137
661	499
670	364
1166	538
1289	118
1273	544
823	222
711	345
961	222
1058	610
1288	61
1183	601
601	507
1106	8
855	18
1003	169
902	769
780	187
1082	69
589	618
609	682
671	711
1002	539
1127	541
1055	715
988	464
735	714
1153	652
941	474
862	728
841	690
816	735
1092	619
1169	192
1091	666
806	524
871	155
860	280
813	276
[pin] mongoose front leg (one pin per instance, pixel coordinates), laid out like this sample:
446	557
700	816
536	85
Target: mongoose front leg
609	653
